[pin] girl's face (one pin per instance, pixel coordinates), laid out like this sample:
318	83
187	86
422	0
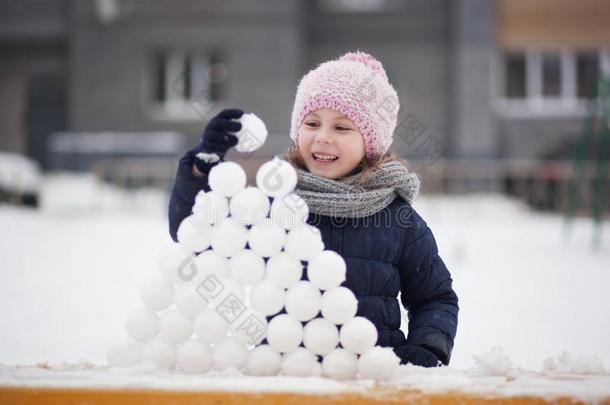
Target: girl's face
330	143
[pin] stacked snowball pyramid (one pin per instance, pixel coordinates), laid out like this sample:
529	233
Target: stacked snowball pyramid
249	286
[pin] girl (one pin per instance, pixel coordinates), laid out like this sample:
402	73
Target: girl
359	196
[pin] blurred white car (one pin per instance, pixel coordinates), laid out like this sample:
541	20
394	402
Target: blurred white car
19	179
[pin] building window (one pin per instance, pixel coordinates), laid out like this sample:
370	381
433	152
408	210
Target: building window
515	75
551	75
547	82
185	85
587	74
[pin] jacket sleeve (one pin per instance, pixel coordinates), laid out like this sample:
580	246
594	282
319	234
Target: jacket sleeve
186	187
427	295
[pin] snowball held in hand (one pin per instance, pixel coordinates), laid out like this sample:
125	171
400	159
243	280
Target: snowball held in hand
252	134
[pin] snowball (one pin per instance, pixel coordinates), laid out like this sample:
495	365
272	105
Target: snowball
266	238
250	327
123	354
378	363
340	365
301	363
210	327
229	237
276	178
284	333
221	292
188	300
284	270
226	288
561	363
227	178
230	352
171	260
267	298
194	235
494	362
326	270
159	353
210	208
210	262
252	134
339	305
247	267
175	326
249	206
156	294
320	336
263	361
194	357
358	335
142	324
289	211
303	301
588	365
304	242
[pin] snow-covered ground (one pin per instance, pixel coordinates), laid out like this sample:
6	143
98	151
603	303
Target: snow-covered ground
70	271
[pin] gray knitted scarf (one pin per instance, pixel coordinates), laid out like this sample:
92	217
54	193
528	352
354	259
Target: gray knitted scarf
348	198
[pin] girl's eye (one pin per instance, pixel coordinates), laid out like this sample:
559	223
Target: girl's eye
342	129
311	124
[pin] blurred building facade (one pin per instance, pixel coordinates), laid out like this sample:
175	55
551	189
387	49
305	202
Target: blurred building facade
477	79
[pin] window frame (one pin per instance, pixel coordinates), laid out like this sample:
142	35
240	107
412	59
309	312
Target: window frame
535	104
177	107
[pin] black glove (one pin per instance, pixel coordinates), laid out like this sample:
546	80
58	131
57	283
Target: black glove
216	139
417	355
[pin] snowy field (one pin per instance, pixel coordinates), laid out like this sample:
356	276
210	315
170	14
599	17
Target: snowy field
71	270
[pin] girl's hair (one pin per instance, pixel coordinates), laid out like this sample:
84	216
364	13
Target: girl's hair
366	165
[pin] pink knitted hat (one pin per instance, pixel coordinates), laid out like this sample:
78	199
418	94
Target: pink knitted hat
356	86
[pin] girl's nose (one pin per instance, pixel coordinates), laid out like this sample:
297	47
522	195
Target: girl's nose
324	137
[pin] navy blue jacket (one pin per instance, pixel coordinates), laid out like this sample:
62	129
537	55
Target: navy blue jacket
387	253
